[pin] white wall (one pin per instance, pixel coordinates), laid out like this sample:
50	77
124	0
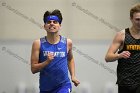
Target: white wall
89	58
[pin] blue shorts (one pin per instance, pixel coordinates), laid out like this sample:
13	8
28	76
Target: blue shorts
62	89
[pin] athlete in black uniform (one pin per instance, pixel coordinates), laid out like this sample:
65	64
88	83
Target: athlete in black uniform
126	49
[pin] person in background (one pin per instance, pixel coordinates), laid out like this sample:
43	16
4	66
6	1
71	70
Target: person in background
126	49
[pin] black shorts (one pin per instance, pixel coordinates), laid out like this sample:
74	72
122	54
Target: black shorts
126	89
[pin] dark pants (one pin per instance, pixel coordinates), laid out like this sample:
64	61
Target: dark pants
125	89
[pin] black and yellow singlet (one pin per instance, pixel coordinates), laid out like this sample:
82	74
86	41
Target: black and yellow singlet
128	70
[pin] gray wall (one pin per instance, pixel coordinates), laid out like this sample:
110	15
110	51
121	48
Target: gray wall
91	24
98	19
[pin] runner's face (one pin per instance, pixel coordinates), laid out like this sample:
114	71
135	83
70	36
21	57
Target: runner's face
136	20
52	26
